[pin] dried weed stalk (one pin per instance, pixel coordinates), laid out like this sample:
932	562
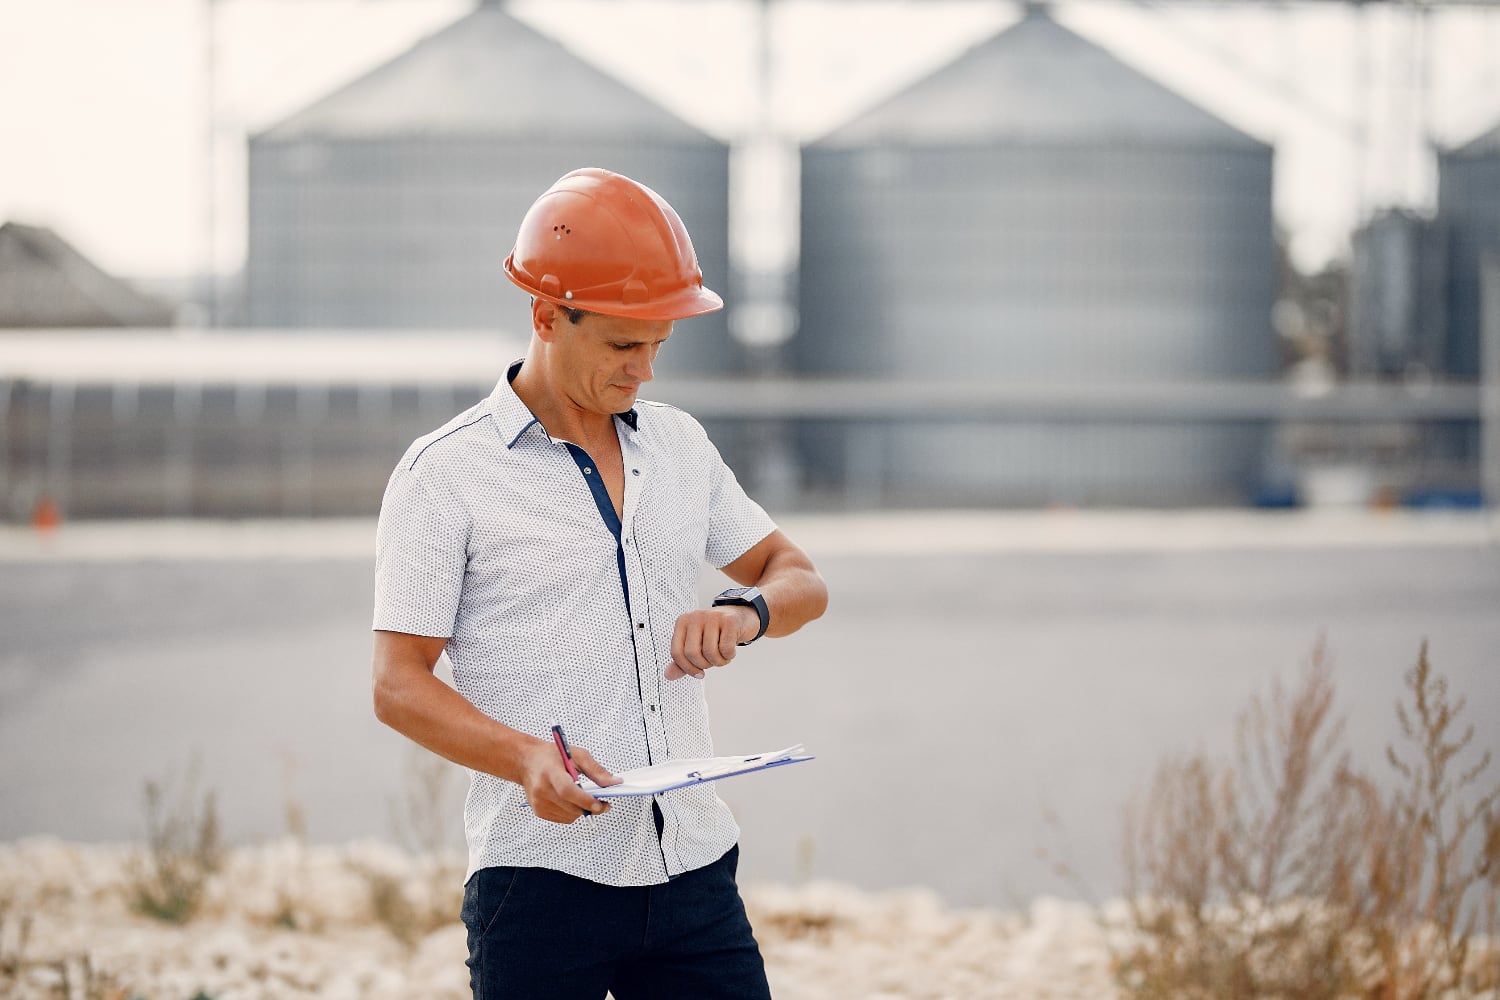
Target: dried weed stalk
412	910
292	910
1286	872
182	851
421	816
22	975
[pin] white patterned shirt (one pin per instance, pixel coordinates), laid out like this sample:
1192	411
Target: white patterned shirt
499	537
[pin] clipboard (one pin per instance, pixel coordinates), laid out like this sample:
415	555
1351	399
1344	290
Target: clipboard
689	771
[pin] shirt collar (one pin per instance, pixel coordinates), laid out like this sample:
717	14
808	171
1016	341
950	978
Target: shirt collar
515	418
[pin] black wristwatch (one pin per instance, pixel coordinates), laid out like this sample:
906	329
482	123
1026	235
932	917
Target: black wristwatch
750	597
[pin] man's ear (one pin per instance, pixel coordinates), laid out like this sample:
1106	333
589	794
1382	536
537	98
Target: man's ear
544	319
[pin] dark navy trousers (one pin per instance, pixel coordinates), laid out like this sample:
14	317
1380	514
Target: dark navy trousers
538	934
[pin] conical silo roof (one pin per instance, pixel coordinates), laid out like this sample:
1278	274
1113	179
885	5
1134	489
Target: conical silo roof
1486	144
46	282
487	73
1037	81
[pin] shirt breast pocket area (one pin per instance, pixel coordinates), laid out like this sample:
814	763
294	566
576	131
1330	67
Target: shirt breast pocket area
523	580
674	509
679	563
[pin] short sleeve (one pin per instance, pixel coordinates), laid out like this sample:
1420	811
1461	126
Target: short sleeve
735	522
421	553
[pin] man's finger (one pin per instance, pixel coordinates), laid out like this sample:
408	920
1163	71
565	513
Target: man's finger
686	669
593	807
727	646
566	804
681	636
687	633
712	647
698	656
575	802
595	771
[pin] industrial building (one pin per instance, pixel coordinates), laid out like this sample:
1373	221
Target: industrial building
1469	217
1033	277
392	202
1415	294
225	424
46	283
1417	319
1038	212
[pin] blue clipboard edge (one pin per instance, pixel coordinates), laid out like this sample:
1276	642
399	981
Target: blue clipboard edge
609	793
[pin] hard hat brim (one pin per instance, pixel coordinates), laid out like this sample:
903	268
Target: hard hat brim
684	304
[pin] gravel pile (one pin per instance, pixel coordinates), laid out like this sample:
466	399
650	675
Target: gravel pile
364	920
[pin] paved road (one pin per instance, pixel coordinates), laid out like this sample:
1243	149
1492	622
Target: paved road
974	676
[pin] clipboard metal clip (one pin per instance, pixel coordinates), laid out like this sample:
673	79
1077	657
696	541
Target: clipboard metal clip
745	764
719	771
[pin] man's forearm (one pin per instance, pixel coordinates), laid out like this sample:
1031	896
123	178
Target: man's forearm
415	703
794	591
411	700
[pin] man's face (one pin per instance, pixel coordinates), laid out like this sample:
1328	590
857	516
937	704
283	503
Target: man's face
606	359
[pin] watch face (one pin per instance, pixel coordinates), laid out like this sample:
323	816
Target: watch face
750	597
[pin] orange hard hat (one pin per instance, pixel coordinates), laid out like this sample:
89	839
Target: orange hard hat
601	242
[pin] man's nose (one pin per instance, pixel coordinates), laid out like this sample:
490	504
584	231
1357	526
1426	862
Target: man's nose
639	366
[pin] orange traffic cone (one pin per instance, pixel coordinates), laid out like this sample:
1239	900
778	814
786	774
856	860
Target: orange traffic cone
45	515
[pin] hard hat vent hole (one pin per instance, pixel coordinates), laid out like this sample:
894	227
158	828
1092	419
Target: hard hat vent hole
562	229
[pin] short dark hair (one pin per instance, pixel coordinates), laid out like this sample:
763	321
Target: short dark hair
575	316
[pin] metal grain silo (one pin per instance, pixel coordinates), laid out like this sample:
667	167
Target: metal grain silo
393	201
1037	211
1468	220
1469	212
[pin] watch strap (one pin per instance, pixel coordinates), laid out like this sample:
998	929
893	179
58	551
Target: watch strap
750	597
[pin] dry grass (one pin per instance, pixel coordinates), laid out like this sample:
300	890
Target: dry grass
182	850
411	910
1288	872
70	977
168	877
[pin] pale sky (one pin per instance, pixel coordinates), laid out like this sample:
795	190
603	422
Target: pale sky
104	110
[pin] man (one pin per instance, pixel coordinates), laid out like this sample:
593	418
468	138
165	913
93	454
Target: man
551	540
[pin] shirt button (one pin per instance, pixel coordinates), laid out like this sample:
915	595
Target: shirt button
587	470
640	624
635	472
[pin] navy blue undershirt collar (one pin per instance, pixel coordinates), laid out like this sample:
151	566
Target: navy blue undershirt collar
587	467
606	509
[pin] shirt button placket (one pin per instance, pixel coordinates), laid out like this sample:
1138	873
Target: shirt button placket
645	646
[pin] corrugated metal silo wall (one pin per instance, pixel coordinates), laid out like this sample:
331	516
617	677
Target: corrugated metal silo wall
1469	208
1026	263
410	232
1469	212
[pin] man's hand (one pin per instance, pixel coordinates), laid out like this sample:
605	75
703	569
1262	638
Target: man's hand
551	791
709	637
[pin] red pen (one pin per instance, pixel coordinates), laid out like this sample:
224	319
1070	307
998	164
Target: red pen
562	748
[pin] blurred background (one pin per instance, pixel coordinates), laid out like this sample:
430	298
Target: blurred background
1105	354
